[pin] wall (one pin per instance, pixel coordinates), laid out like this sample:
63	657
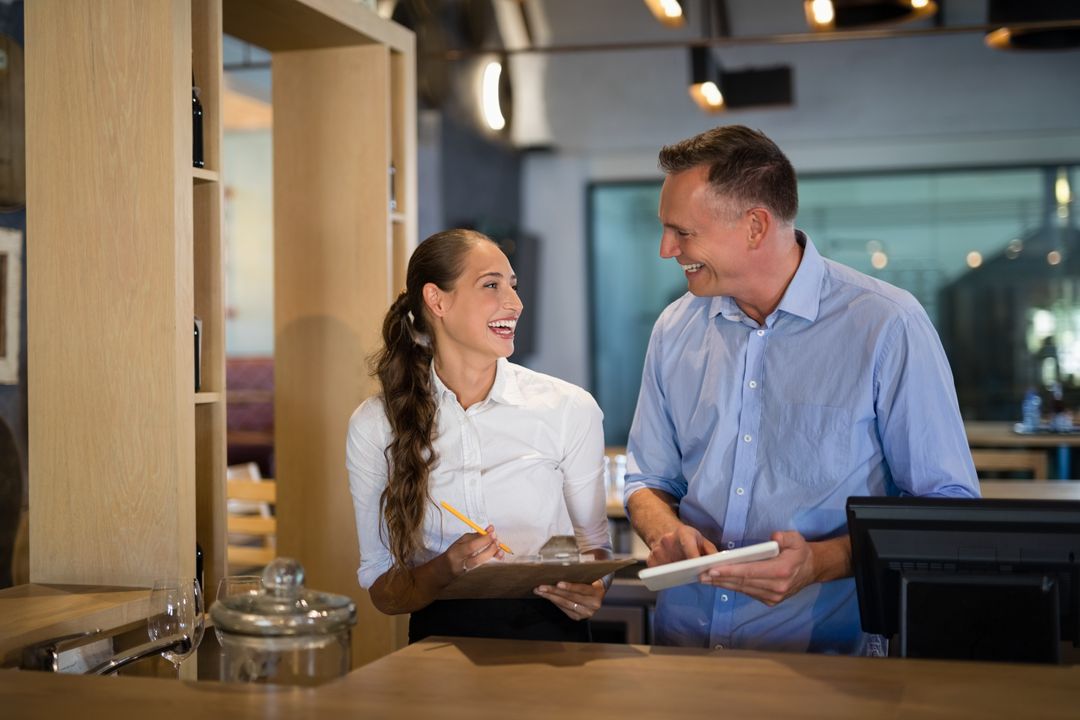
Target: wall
249	242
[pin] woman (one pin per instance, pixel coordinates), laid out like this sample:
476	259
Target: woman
517	451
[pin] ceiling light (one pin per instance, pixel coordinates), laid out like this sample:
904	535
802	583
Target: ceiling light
705	80
845	14
1062	191
1053	257
1011	12
974	259
820	13
669	12
489	96
716	90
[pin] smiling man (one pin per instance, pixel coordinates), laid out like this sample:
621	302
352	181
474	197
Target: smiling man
778	386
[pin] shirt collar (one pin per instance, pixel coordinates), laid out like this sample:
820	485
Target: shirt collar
803	294
505	389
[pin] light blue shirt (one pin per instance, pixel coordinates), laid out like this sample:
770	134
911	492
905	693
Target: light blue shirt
844	390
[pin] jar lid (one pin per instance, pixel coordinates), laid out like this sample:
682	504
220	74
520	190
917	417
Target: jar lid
283	607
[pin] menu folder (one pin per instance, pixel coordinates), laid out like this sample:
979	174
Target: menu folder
518	578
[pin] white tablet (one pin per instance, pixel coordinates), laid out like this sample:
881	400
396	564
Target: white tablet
683	572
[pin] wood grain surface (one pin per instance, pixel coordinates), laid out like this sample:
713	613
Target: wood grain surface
465	679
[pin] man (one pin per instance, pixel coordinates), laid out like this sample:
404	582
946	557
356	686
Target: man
781	384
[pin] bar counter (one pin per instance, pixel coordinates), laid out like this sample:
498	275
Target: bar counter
470	679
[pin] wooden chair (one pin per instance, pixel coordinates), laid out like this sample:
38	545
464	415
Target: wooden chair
259	528
1031	461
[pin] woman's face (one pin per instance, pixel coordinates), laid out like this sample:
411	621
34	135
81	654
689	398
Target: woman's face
478	316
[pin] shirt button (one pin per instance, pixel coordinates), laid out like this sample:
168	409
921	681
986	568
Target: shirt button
731	544
753	383
739	491
760	333
718	646
746	438
723	598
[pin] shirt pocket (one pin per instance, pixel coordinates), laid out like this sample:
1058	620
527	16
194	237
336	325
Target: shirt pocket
814	444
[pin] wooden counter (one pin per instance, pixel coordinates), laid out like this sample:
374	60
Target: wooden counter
471	679
32	613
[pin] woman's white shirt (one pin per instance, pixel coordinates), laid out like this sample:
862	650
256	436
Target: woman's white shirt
528	459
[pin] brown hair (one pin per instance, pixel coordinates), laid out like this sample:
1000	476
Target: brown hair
403	368
744	166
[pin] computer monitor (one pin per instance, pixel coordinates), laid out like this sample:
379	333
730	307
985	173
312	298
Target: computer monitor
968	579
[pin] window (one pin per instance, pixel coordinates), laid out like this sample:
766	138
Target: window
992	254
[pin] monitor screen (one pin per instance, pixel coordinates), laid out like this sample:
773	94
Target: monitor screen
968	579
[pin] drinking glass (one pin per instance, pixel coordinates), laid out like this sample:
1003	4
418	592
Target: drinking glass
176	607
231	585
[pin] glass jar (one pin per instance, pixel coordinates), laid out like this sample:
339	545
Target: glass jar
284	634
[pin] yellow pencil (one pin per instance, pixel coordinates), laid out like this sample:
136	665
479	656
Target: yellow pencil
473	525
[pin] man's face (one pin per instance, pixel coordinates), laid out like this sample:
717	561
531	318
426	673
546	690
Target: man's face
702	234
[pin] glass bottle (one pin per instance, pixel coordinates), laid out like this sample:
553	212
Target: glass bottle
196	126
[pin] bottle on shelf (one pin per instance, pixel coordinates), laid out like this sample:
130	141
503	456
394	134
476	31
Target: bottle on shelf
198	353
1031	410
1060	417
199	566
196	126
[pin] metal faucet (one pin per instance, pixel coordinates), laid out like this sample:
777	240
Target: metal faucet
46	655
180	643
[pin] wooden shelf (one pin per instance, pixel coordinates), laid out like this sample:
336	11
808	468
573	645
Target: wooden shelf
202	175
338	67
33	613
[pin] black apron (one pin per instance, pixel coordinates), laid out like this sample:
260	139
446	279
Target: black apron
506	619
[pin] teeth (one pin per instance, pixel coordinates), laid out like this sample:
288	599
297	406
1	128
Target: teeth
692	267
511	324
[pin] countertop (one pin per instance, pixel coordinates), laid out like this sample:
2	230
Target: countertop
470	679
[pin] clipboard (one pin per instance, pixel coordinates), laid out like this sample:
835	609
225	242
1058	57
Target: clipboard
502	579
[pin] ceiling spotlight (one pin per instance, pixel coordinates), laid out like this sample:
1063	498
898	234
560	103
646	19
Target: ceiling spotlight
489	96
669	12
1051	37
715	89
824	15
1062	191
705	80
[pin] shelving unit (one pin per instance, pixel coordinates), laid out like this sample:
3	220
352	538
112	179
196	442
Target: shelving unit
127	462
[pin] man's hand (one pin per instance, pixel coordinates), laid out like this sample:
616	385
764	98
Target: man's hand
800	563
680	544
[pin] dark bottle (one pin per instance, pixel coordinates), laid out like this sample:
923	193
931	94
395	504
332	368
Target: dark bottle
196	126
198	354
199	565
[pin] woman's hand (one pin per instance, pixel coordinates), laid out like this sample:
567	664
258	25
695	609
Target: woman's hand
472	550
578	600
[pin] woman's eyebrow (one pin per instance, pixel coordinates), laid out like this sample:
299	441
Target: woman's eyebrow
498	275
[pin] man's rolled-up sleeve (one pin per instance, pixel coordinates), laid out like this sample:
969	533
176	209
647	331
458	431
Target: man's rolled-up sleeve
653	458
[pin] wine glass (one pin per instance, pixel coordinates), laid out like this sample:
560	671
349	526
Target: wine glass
176	607
232	585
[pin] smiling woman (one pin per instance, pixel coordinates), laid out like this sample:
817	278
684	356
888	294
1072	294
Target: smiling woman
457	425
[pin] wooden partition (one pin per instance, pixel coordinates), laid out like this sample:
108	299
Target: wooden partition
127	460
110	291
